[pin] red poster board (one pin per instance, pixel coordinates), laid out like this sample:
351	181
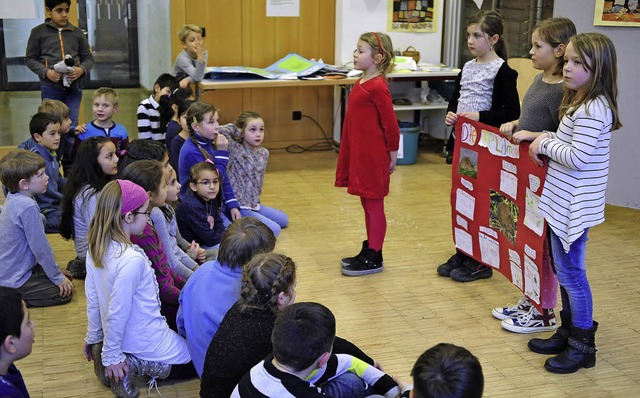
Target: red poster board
495	193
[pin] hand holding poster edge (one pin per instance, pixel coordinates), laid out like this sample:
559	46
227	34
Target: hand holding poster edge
494	196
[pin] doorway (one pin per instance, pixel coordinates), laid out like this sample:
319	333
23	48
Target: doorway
111	29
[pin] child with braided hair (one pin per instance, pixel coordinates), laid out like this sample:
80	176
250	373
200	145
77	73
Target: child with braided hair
244	336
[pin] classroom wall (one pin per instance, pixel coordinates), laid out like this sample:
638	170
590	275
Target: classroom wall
624	174
354	17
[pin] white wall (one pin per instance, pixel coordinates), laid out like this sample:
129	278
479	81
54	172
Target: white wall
624	174
154	40
354	17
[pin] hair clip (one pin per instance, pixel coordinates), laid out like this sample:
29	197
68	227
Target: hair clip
123	152
195	120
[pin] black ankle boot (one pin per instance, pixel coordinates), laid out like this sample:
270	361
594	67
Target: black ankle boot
369	262
556	343
348	260
580	352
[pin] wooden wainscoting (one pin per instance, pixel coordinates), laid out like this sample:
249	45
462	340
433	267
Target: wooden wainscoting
240	33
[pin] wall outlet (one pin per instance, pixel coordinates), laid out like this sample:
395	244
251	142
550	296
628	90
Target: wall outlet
296	115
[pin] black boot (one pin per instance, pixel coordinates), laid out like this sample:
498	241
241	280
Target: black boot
348	260
452	263
556	343
369	262
78	268
580	352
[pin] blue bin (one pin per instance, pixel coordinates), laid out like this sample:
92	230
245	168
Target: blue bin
409	135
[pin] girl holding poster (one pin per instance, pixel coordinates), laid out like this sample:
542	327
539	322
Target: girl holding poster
539	113
486	92
573	196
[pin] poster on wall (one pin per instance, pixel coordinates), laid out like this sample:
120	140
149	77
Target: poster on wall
495	193
412	16
619	13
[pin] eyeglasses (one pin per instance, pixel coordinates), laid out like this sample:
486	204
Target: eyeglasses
146	213
208	182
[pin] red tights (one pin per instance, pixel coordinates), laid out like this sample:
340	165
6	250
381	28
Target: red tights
375	221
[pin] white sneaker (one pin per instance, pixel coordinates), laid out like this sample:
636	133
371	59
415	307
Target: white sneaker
531	322
523	306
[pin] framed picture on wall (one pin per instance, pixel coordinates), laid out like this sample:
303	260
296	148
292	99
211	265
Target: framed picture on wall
617	13
412	16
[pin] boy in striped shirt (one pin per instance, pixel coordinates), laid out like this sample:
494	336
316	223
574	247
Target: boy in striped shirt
148	111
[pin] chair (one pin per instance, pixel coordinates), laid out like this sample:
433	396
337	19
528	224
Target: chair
526	74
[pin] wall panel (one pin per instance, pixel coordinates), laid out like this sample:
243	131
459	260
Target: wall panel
239	33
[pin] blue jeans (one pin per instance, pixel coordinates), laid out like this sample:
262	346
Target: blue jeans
347	385
572	276
72	97
273	218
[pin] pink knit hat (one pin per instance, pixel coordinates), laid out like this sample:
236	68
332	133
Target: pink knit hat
133	196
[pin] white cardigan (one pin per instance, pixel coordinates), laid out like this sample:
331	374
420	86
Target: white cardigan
123	308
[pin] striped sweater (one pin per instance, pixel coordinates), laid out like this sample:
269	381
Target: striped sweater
149	120
169	283
573	196
265	380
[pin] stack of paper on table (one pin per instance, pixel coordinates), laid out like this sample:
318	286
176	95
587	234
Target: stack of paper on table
292	66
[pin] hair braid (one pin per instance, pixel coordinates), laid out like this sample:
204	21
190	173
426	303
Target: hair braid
264	278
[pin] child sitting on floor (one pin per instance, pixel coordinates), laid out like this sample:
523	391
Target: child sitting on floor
26	259
199	213
95	165
164	219
149	175
16	341
45	140
247	166
446	370
302	361
126	334
215	286
105	105
244	336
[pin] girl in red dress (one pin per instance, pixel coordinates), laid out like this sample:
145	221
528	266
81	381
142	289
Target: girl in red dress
369	147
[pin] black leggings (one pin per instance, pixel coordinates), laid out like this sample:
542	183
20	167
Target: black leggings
183	371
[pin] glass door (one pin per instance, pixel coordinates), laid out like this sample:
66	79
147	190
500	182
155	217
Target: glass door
14	33
111	28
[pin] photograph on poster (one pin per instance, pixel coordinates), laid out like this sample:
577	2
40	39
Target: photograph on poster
503	215
468	165
621	13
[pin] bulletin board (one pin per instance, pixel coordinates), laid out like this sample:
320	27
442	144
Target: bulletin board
412	16
495	193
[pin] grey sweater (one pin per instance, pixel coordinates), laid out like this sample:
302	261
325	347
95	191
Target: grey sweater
187	66
540	106
178	260
23	243
44	50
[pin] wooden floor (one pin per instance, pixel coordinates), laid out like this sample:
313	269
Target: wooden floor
395	315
